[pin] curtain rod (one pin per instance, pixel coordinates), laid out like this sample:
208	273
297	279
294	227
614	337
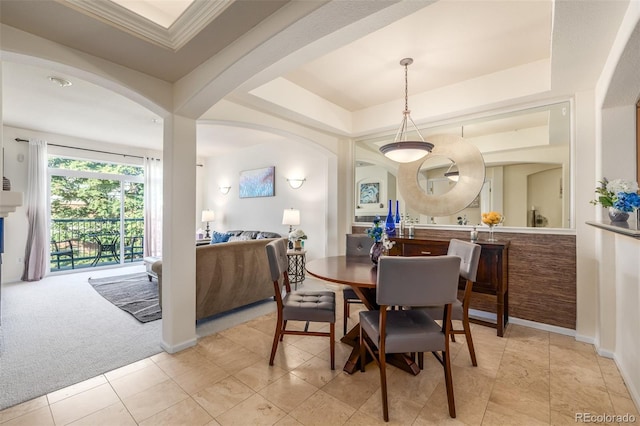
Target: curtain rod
96	150
84	149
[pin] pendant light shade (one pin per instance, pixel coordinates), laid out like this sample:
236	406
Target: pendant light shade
401	149
451	174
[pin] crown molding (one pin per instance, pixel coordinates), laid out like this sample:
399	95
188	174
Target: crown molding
197	16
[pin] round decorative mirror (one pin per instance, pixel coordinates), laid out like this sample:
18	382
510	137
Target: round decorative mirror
450	151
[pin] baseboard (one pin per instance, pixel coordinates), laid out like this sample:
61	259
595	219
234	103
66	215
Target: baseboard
605	354
586	339
491	317
542	326
177	348
633	392
483	315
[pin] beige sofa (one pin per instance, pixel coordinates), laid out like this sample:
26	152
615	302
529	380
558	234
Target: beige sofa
228	276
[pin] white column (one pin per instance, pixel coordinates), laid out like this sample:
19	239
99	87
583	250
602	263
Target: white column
178	244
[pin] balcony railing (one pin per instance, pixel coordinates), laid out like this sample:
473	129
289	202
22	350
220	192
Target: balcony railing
86	243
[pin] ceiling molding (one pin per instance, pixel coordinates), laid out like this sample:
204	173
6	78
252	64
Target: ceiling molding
188	25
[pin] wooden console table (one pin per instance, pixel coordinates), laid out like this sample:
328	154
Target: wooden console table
493	272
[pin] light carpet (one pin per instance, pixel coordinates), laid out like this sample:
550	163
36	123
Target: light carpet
133	293
59	331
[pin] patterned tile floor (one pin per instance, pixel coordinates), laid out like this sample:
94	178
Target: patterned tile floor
529	377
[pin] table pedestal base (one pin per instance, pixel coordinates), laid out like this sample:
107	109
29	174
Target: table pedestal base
352	338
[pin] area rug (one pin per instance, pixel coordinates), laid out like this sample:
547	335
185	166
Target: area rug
133	293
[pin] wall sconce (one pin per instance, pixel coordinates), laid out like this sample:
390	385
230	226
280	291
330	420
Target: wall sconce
224	189
296	183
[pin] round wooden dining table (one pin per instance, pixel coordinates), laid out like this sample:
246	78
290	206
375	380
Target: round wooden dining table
362	275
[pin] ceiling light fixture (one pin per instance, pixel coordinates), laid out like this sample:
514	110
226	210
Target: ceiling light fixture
452	175
60	81
401	149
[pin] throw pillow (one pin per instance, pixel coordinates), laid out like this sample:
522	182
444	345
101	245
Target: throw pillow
239	238
219	237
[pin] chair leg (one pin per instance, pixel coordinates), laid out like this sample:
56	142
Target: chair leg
453	336
383	386
284	327
421	360
332	344
363	351
345	316
449	383
277	337
467	333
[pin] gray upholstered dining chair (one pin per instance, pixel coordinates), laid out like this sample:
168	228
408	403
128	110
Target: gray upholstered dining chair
317	306
469	253
403	281
357	245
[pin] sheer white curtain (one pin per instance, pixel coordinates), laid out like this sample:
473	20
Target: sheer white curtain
152	207
37	248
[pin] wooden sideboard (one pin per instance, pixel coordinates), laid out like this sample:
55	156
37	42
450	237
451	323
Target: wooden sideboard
493	272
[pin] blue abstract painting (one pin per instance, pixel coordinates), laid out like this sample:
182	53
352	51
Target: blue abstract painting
369	193
257	182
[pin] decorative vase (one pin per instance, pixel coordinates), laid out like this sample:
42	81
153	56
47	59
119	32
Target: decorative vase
397	213
616	215
297	245
377	250
390	224
491	236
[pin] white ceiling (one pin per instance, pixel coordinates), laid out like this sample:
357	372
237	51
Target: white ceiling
450	41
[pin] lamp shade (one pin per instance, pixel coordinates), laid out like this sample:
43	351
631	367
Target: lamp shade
208	216
291	217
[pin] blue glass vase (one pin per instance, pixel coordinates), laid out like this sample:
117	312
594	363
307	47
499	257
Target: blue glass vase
390	224
397	212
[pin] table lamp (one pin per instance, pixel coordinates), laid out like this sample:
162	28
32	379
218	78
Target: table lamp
291	217
208	216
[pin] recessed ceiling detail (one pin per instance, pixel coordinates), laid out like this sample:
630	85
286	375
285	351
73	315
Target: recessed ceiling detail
163	13
187	25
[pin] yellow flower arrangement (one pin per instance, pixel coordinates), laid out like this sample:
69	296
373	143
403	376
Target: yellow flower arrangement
492	218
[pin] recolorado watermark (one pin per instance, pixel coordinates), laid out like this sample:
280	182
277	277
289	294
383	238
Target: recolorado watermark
604	418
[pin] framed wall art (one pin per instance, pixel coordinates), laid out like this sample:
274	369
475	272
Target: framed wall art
257	182
370	193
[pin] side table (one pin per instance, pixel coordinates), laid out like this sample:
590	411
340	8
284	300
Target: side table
297	260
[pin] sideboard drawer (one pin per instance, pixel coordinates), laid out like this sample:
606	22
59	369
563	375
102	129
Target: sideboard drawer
432	249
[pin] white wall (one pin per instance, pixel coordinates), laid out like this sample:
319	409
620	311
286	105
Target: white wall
617	289
291	158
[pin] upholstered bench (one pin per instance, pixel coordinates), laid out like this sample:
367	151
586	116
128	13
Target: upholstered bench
148	261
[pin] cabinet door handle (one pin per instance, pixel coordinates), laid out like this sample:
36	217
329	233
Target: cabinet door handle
425	252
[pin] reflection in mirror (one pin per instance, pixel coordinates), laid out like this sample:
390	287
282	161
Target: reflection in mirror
431	175
527	156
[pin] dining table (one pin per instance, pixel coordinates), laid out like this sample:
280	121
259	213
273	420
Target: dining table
361	274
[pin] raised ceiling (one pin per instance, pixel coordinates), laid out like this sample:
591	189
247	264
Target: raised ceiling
450	40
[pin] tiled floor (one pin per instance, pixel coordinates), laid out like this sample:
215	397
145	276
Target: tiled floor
529	377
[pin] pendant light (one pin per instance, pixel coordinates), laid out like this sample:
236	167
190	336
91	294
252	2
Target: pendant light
452	175
402	150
